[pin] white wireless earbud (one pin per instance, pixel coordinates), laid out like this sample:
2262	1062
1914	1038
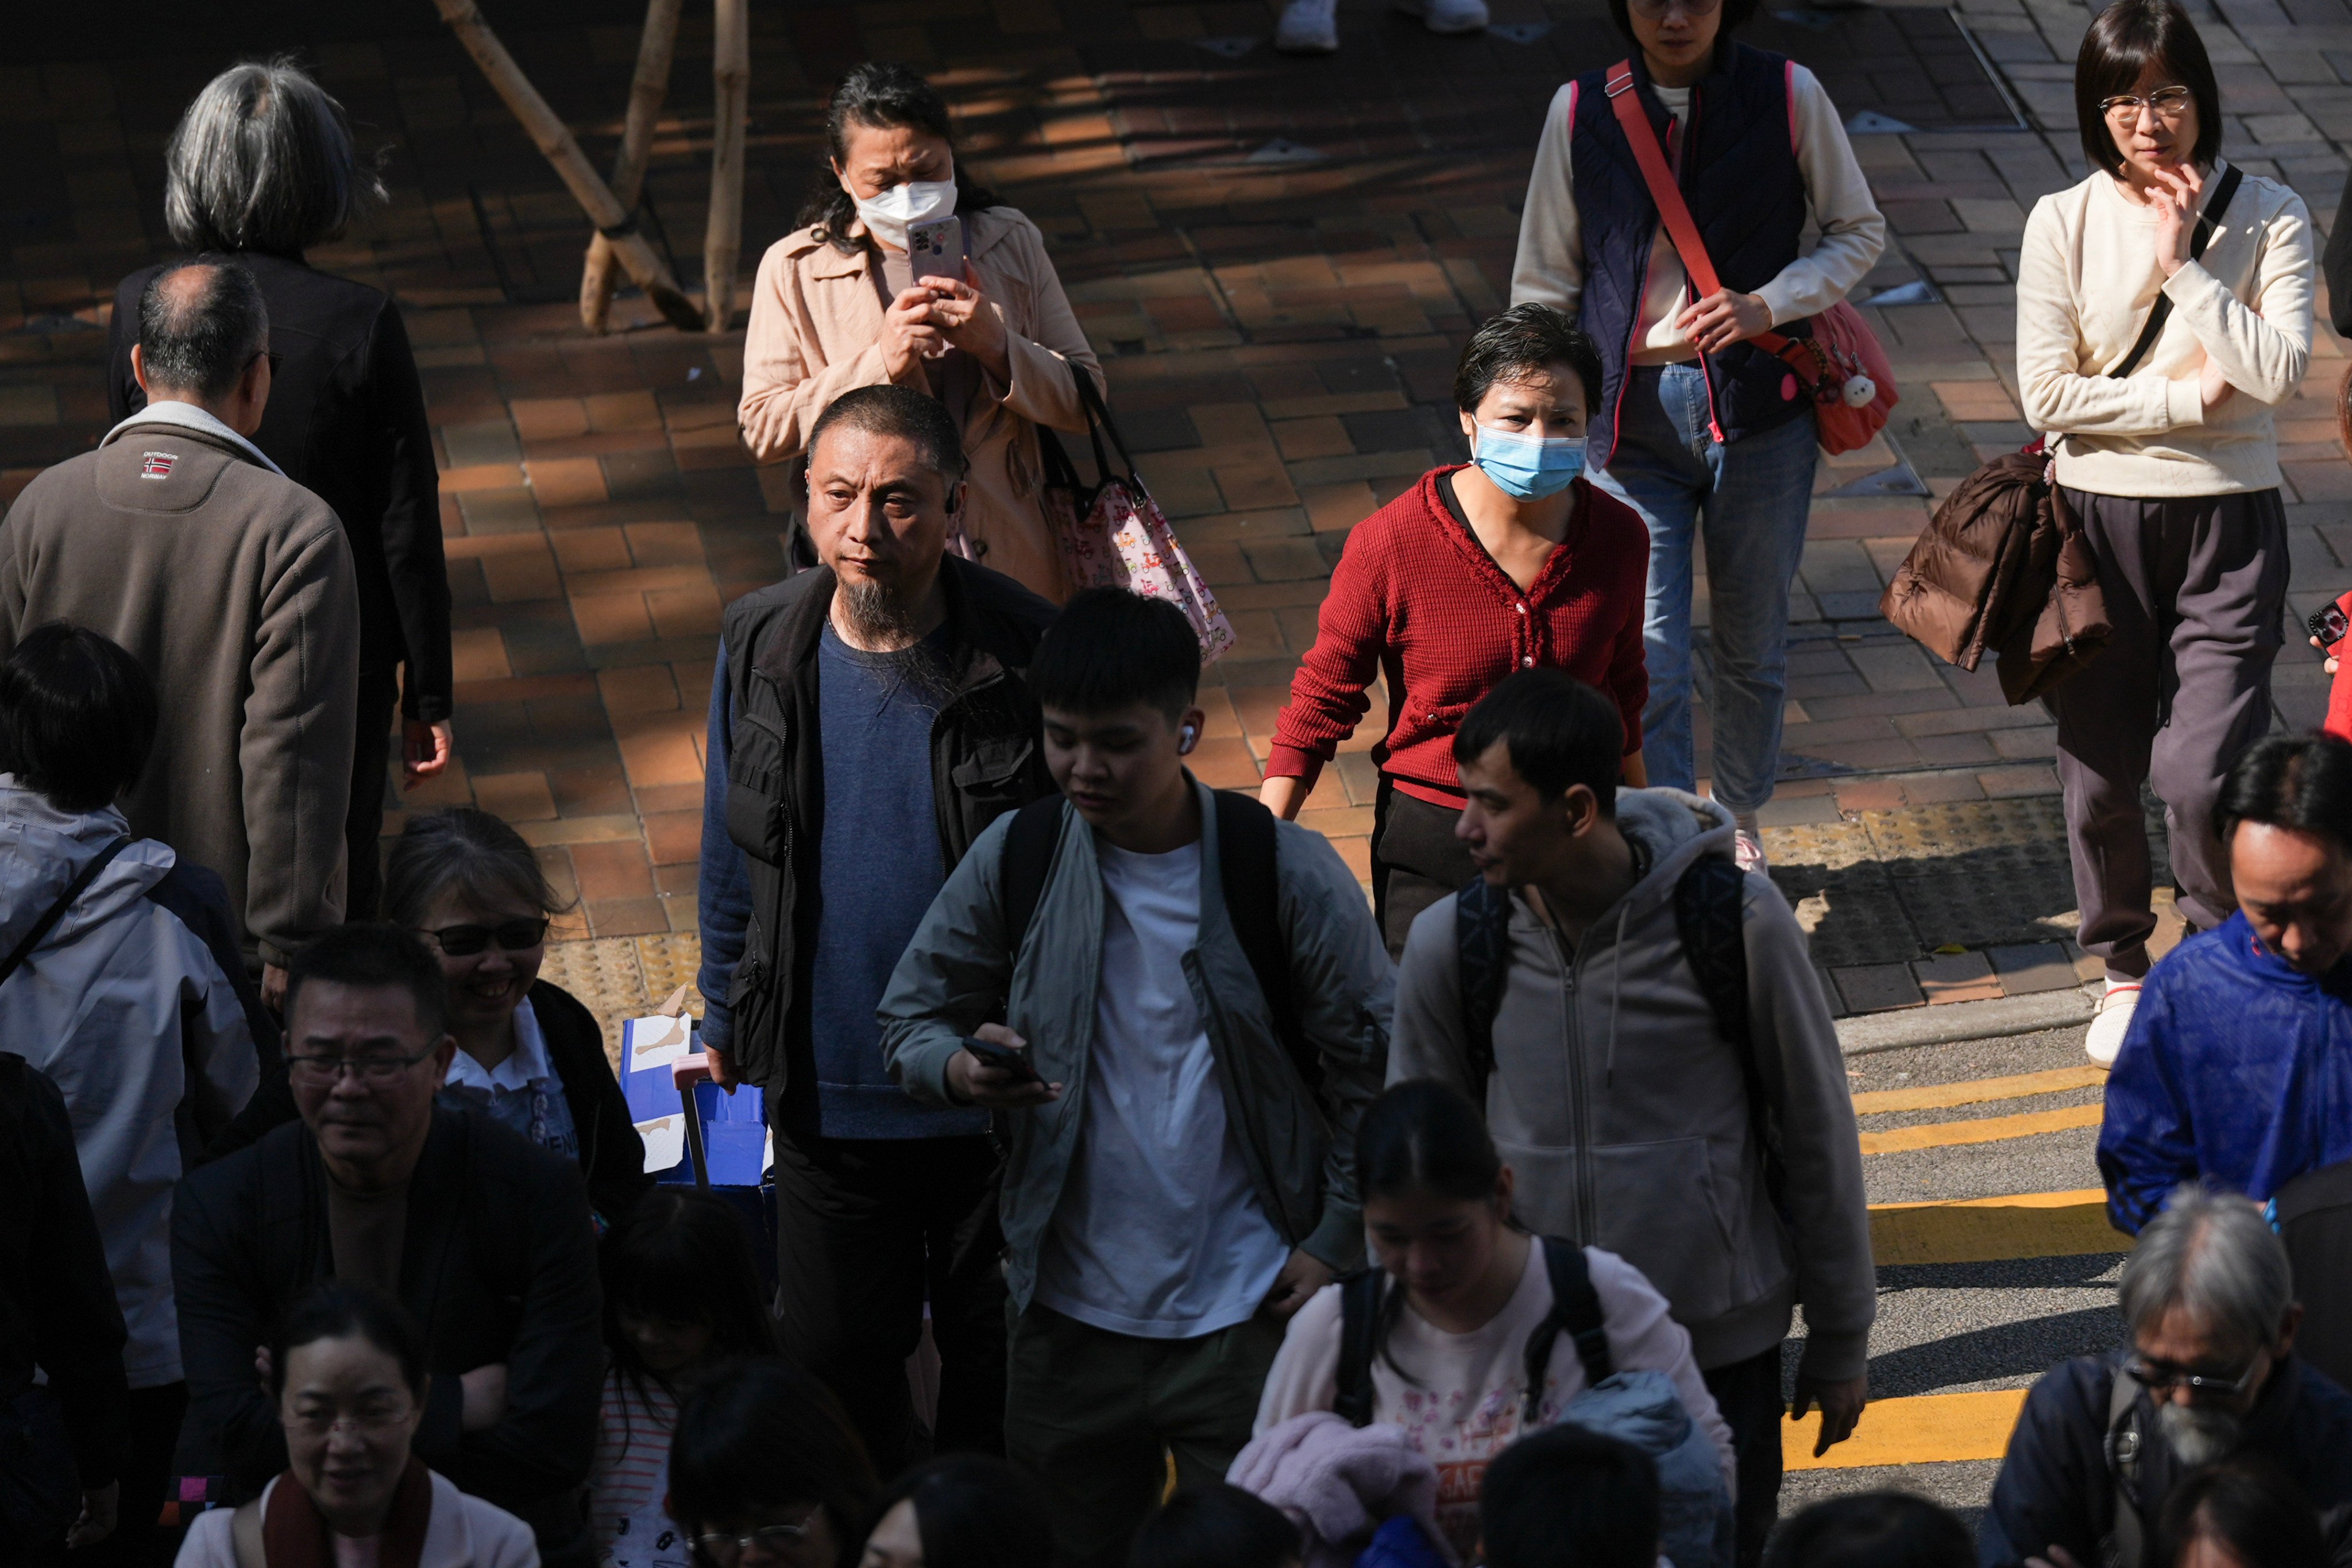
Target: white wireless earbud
1185	739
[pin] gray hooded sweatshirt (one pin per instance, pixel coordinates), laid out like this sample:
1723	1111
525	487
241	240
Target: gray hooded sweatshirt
1625	1111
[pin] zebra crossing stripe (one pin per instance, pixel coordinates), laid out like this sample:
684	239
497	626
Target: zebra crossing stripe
1981	1130
1925	1429
1975	1091
1987	1230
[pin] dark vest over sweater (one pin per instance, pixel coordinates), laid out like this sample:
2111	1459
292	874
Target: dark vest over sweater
1735	158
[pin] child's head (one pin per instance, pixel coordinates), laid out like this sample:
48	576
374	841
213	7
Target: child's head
1217	1526
78	717
1437	1197
963	1510
1116	675
1571	1497
1873	1530
680	1288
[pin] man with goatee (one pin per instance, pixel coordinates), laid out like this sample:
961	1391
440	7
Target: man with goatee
868	719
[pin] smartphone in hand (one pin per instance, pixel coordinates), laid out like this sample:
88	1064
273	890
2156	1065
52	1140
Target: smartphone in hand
1010	1059
935	249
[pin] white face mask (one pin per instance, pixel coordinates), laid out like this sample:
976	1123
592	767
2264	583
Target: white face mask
899	208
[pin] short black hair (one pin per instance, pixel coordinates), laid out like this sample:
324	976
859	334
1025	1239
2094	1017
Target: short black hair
339	1309
902	412
1571	1497
78	716
975	1510
1873	1529
373	956
199	334
2246	1503
755	1433
682	1254
1736	15
1561	733
1519	342
2301	782
2121	43
1216	1526
1109	647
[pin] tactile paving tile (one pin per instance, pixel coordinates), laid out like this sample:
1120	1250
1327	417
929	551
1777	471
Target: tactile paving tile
1913	841
1857	918
1827	845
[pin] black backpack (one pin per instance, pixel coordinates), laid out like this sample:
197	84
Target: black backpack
1245	865
1709	903
1575	1311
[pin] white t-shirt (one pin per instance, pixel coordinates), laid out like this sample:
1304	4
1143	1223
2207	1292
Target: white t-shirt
1459	1396
1159	1233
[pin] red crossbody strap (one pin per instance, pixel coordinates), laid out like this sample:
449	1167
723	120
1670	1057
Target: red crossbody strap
1668	196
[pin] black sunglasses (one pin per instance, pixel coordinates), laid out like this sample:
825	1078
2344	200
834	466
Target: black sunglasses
512	936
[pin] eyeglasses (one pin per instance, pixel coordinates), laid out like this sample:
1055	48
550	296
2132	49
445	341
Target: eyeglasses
325	1069
1655	10
512	936
726	1548
2170	103
321	1423
2159	1378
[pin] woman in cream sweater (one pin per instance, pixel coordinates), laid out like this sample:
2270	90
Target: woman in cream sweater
2171	462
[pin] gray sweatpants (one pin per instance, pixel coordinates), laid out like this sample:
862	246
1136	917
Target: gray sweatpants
2195	587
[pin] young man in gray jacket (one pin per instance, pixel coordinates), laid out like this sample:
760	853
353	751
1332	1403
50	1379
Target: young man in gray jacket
1589	1000
1194	1008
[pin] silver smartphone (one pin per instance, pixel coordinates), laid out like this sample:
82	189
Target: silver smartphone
935	249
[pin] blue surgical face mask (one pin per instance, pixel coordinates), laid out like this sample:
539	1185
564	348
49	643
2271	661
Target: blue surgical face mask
1528	467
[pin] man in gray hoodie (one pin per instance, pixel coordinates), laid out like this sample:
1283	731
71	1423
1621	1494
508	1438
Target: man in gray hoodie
1591	993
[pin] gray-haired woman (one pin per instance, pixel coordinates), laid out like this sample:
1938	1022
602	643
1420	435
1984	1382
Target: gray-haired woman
262	166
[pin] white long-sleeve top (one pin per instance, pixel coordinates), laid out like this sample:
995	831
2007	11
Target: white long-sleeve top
1549	268
2086	279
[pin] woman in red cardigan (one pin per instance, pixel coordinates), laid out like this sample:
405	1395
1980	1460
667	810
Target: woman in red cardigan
1506	563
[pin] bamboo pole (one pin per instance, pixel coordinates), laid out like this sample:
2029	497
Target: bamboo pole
595	198
655	51
731	76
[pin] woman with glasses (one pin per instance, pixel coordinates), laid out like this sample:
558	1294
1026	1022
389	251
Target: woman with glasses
263	167
527	1053
1696	429
2152	344
764	1472
346	1369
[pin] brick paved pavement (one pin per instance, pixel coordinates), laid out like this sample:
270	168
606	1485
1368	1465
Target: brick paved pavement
1277	261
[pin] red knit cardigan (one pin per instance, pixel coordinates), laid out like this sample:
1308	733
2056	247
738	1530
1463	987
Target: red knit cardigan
1416	597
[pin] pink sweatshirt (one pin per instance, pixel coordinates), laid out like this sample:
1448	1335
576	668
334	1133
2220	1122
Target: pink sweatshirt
1461	1405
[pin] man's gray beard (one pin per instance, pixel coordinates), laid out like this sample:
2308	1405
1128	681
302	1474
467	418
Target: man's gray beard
879	619
2199	1435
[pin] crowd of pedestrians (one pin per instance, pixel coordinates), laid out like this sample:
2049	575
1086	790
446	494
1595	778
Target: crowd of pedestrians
1249	1221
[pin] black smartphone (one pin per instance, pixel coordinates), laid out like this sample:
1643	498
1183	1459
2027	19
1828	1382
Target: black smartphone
1011	1058
2329	625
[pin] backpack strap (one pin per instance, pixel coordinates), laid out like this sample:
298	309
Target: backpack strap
1482	936
1028	856
1710	915
1576	1313
1359	1317
47	923
1246	866
2128	1538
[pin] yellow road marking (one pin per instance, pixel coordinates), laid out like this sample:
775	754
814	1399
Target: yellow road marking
1926	1430
1985	1230
1981	1130
1937	1096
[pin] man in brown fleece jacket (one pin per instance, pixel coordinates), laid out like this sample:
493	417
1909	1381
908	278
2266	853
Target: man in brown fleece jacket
232	585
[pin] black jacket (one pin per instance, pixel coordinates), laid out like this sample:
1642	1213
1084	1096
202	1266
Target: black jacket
2335	264
612	1155
499	1266
2055	1487
56	1300
986	760
346	421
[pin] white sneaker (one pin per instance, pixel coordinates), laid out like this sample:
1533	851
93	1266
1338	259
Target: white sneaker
1308	28
1446	15
2110	1023
1747	850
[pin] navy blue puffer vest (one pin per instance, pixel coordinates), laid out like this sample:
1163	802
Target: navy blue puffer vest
1736	160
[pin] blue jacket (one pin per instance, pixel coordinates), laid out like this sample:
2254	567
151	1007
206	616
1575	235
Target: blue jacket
2236	1069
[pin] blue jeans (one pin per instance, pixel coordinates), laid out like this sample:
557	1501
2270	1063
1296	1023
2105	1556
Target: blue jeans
1751	498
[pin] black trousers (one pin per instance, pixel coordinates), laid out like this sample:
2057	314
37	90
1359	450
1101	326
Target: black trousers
867	1231
363	820
153	1417
1416	861
1747	1392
